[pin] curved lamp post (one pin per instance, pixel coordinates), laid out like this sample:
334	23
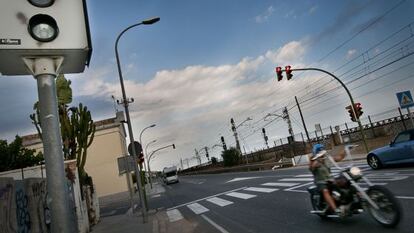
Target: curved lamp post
149	159
145	155
125	102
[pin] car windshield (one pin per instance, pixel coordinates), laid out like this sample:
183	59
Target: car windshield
404	137
168	174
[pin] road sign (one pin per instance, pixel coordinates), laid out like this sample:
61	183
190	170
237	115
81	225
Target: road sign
138	148
405	99
126	164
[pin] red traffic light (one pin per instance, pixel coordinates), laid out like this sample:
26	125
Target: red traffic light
279	73
351	113
288	72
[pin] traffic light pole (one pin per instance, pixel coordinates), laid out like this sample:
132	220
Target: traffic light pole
361	129
45	70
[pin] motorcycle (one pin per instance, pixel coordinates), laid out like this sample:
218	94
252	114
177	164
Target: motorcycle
348	194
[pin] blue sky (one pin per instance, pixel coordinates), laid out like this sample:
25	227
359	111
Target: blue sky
208	61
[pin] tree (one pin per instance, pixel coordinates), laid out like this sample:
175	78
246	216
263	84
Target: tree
214	160
231	157
15	156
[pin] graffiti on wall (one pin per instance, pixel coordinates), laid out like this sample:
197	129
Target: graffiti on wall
7	207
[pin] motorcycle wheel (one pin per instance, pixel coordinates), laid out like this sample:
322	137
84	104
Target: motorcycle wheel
389	212
315	199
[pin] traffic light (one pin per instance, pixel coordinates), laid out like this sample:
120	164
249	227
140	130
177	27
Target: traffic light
141	157
279	73
44	28
358	110
173	146
288	72
351	113
224	143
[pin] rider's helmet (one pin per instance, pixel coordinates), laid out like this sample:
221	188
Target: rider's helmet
318	151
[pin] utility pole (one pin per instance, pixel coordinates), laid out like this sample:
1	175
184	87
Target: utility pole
303	120
265	137
207	155
197	156
287	118
233	128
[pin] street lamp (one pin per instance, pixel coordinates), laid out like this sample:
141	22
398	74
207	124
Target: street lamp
126	102
247	119
145	155
150	156
142	131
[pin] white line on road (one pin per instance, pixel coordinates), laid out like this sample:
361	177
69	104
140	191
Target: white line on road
261	190
197	208
304	175
240	195
219	201
221	229
215	195
296	179
174	215
292	189
405	197
280	184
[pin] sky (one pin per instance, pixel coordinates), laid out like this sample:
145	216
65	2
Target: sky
206	62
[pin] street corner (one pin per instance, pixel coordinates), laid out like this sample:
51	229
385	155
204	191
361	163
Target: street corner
170	222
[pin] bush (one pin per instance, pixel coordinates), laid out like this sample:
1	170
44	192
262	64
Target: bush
231	157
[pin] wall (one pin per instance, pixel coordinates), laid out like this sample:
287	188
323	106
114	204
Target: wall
101	164
24	201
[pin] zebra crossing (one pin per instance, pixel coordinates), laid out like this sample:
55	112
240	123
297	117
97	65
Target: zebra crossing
296	183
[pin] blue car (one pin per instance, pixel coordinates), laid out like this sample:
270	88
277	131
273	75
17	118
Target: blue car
399	151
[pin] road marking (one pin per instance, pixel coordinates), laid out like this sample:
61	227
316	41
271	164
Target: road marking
197	208
292	189
215	195
218	227
304	175
280	184
242	178
296	179
174	215
156	195
240	195
218	201
405	197
261	190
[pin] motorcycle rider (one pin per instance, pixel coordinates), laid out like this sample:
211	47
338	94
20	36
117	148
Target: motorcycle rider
322	174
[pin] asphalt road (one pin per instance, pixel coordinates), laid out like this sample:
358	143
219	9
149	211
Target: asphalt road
272	201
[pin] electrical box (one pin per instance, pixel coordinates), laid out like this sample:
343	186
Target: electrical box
44	28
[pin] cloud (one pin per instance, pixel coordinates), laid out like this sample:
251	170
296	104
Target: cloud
312	9
289	53
350	54
264	17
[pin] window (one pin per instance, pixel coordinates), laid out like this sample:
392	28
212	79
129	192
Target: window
404	137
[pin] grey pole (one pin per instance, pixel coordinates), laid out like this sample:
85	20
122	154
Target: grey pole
57	188
150	156
402	118
126	102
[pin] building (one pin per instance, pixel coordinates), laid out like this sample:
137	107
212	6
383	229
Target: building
101	164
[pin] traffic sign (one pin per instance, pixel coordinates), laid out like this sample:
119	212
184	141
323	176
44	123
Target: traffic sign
138	148
405	99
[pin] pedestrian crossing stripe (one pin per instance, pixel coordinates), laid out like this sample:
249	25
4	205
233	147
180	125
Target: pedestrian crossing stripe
174	215
280	184
197	208
296	179
219	201
240	195
261	190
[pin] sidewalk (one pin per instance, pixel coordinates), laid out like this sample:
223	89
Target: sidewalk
158	221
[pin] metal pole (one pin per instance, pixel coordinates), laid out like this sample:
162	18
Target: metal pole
125	102
411	117
372	126
402	118
361	129
52	146
303	120
233	128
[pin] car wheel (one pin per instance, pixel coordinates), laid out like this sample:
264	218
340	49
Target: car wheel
374	162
